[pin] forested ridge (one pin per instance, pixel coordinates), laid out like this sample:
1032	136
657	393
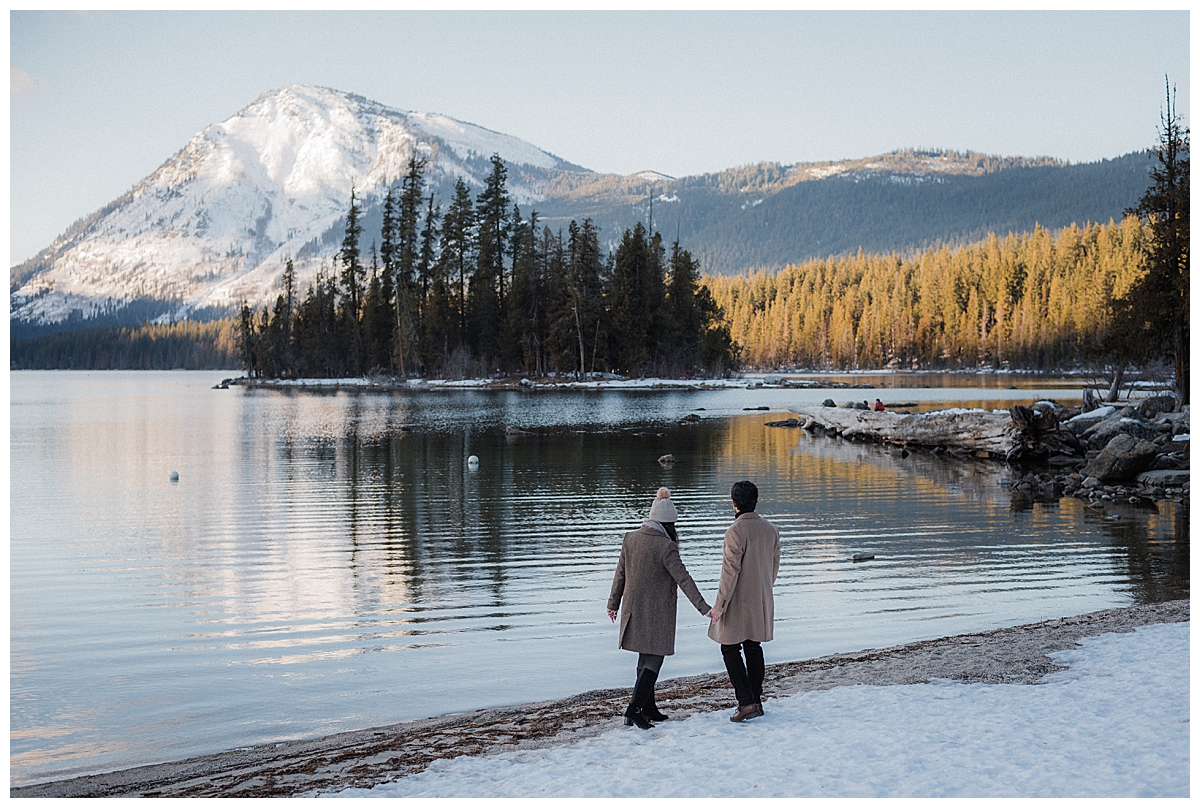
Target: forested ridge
1033	300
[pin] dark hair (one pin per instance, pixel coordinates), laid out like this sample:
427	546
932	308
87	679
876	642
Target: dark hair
744	495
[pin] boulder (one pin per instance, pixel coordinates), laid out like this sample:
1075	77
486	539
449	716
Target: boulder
1088	419
1098	436
1124	457
1148	408
1164	479
828	403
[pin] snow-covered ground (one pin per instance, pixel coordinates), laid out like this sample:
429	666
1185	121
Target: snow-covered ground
1115	724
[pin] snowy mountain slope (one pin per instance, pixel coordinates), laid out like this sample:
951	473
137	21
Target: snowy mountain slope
214	224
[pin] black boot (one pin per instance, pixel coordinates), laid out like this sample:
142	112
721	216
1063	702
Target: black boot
651	709
643	691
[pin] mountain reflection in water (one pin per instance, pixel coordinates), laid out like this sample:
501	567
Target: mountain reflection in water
328	561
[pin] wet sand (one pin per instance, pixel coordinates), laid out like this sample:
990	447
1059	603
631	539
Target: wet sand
364	758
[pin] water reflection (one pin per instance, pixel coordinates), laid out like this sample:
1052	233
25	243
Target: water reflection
328	561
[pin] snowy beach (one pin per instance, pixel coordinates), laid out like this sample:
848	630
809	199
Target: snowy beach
1090	705
1114	724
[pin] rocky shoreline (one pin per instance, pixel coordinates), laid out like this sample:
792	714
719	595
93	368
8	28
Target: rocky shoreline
1137	453
368	757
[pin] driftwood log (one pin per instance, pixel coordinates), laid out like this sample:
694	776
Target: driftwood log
977	431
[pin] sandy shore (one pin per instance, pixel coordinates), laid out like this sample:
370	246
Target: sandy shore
368	757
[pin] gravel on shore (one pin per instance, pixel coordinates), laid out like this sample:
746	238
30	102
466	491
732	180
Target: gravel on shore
365	758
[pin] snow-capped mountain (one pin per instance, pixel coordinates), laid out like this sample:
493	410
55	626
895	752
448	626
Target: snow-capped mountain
215	223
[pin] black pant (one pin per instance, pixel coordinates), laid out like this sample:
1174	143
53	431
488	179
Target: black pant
747	679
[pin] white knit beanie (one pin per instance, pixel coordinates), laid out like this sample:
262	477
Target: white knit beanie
663	509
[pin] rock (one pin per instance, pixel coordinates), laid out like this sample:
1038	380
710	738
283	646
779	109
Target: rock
1148	408
772	379
667	459
1123	458
512	430
755	408
690	418
862	557
1098	436
1164	478
828	403
1091	482
789	423
1088	419
526	383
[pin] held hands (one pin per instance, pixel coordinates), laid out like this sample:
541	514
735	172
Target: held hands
714	614
612	615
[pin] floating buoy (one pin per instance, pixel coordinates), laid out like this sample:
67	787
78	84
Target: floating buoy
174	476
473	462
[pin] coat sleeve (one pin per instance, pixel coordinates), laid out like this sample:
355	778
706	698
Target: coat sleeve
731	565
775	568
618	584
683	579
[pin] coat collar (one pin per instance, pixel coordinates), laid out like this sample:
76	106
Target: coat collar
748	515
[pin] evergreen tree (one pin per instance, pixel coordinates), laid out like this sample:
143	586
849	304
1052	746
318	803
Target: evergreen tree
637	303
686	321
487	305
289	310
352	277
247	347
433	311
408	298
1151	320
581	316
458	255
521	339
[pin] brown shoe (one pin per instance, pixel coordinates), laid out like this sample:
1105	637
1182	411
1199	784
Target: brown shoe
746	713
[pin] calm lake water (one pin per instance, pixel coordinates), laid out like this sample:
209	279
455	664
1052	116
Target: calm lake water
326	561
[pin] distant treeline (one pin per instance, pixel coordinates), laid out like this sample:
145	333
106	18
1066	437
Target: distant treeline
1026	301
480	289
188	345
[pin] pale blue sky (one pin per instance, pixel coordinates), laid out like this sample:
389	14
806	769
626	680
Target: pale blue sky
101	99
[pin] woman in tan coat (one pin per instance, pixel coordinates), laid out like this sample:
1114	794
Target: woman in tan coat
744	615
648	572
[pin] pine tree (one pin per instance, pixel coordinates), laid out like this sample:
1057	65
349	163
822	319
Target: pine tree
408	298
352	276
686	321
458	255
1151	321
488	299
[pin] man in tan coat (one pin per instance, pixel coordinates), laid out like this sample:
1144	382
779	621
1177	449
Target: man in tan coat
744	615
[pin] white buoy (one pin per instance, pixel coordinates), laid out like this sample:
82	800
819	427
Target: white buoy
473	462
174	476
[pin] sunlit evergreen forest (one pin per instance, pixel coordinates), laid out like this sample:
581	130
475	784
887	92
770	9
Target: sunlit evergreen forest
1033	301
183	345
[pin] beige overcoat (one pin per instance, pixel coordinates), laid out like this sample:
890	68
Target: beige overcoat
643	587
748	571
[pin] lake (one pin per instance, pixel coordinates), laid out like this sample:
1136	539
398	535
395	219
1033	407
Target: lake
326	561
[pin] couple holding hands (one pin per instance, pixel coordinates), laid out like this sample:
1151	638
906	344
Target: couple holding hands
650	569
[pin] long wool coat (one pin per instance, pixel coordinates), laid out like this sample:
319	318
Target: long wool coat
748	571
648	571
